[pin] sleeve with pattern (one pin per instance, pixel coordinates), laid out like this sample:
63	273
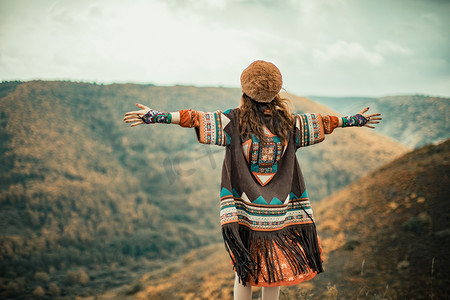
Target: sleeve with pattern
209	126
310	129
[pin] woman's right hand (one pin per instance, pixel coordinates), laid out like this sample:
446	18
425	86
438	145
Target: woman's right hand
135	117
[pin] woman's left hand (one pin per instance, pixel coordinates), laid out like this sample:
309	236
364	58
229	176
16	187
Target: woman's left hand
371	118
135	117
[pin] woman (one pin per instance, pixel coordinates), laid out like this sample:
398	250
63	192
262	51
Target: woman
267	221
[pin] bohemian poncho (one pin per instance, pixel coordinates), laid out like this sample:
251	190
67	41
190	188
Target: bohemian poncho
266	218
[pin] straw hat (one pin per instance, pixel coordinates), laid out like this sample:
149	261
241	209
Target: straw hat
261	81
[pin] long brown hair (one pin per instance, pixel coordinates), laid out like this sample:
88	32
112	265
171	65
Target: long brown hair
252	118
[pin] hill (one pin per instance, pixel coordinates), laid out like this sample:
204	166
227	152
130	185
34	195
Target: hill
414	120
386	236
89	203
388	232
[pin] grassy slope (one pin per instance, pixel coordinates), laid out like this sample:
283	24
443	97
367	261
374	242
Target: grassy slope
205	273
388	233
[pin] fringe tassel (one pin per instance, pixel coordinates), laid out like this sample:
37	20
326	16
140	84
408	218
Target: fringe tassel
243	263
248	248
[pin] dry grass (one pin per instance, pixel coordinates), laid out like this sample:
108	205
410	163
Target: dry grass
382	234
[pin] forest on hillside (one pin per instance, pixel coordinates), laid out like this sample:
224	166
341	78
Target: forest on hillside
89	203
414	120
85	200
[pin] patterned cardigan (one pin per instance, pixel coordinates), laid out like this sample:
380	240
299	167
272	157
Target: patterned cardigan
266	218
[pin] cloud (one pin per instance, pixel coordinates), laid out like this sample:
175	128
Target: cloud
61	15
322	44
386	46
347	52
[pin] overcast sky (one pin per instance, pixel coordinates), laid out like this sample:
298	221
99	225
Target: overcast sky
322	47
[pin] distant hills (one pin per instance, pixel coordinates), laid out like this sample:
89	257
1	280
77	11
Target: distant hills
414	120
385	236
89	203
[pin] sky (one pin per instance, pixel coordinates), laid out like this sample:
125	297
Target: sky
322	47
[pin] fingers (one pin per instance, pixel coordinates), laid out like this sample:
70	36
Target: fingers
132	119
142	106
372	115
141	112
364	110
131	116
137	123
136	115
369	126
132	112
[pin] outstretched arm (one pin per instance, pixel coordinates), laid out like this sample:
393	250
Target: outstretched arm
209	126
360	119
312	128
150	116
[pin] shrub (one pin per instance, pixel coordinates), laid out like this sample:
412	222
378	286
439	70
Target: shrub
350	245
71	277
39	292
417	224
332	292
41	276
12	288
54	289
83	277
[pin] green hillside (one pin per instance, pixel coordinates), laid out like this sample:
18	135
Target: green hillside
414	120
89	203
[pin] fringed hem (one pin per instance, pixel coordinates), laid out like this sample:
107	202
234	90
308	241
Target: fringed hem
298	280
273	258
